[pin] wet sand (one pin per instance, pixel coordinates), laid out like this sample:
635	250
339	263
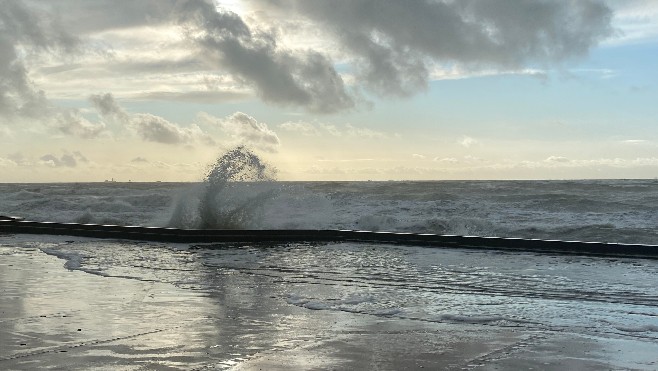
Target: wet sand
55	318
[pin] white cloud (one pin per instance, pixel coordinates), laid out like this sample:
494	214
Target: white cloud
65	160
303	128
5	162
458	72
347	160
449	160
72	122
244	129
602	73
637	21
322	129
157	129
20	159
418	156
354	131
468	141
635	141
469	158
149	127
557	159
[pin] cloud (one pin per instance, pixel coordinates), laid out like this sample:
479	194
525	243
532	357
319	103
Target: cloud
80	157
6	133
19	159
303	128
220	41
347	160
26	27
418	156
139	159
66	160
195	96
108	108
72	122
301	78
322	129
157	129
245	129
85	17
449	160
395	44
5	162
557	159
149	127
468	141
195	51
391	48
354	131
637	20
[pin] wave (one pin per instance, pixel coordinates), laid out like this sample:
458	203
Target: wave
231	196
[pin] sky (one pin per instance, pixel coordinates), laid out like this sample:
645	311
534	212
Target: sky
156	90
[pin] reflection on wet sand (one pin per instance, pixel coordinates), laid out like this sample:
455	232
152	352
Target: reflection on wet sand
137	306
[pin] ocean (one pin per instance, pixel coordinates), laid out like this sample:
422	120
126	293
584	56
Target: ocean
324	305
586	210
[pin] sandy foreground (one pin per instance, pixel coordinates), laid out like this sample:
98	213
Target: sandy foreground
55	318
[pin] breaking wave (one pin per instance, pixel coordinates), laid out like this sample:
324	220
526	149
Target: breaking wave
232	195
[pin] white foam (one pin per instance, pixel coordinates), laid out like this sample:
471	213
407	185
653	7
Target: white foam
316	305
643	328
470	319
73	259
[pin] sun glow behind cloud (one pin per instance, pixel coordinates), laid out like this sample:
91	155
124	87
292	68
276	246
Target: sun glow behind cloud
431	90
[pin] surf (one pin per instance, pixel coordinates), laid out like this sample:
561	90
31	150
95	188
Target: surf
232	195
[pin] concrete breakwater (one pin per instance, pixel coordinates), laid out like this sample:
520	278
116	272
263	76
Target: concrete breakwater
15	225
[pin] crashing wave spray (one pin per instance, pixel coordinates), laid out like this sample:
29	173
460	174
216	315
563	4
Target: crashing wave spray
233	193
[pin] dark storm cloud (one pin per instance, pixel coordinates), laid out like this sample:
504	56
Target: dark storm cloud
222	40
34	26
391	45
396	42
302	78
21	25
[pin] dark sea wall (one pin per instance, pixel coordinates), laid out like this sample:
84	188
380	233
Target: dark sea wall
10	225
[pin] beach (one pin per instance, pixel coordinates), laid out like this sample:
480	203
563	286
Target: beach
328	185
234	308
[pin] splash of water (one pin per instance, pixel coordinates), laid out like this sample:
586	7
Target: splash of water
232	195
